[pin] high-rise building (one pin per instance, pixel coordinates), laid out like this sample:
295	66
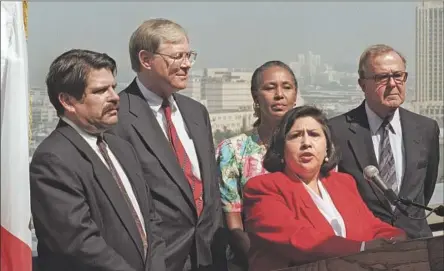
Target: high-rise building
429	98
223	95
193	89
44	117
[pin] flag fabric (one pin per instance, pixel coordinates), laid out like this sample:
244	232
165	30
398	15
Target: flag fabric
16	246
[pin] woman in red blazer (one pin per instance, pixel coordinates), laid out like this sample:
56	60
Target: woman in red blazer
304	211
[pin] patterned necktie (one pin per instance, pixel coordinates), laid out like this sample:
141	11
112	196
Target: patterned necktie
387	167
103	150
183	159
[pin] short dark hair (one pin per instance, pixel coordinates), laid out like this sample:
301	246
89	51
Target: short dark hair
273	160
256	79
69	73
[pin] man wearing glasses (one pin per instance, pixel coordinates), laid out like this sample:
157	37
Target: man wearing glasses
403	145
171	134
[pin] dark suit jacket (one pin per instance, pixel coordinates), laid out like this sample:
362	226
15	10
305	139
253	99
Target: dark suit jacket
81	219
185	233
287	228
352	136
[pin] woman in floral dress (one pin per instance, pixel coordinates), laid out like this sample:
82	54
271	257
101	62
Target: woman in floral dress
274	90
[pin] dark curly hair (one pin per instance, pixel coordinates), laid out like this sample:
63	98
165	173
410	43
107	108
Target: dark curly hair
273	160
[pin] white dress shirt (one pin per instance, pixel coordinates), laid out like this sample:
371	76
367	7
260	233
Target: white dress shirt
395	138
328	210
155	103
92	142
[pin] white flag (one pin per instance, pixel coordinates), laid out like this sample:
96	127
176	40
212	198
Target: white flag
16	252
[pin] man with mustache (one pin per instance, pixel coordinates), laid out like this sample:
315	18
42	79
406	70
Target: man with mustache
403	145
171	134
91	207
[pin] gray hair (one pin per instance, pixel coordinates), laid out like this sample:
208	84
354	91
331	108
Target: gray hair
372	52
150	35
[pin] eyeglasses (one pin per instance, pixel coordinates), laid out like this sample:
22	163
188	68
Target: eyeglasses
180	57
384	78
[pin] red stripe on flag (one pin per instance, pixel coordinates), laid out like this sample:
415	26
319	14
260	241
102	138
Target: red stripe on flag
15	254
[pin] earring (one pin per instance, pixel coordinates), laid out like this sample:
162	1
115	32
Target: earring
256	110
326	159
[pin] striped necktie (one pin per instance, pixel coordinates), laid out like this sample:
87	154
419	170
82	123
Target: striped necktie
387	167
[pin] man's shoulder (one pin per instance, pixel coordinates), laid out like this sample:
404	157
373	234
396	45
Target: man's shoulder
420	119
130	92
55	144
340	121
182	99
353	113
336	120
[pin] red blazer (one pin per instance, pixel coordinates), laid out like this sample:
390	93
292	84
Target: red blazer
286	227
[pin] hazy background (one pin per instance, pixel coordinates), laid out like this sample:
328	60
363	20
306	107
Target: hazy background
225	34
228	35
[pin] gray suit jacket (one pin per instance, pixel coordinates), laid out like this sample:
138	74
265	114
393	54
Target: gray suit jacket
81	219
200	239
352	136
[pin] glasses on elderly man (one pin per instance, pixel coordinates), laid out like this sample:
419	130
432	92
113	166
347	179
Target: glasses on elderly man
180	57
383	78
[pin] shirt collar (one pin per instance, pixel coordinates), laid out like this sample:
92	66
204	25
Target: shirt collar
89	138
154	100
375	121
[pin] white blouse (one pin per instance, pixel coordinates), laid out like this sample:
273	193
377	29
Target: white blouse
327	209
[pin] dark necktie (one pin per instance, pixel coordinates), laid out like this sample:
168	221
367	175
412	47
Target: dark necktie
183	159
103	150
387	167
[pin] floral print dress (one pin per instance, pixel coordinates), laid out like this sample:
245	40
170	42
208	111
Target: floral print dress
239	158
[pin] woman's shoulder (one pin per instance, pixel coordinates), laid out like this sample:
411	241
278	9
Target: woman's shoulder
234	141
341	179
266	181
239	142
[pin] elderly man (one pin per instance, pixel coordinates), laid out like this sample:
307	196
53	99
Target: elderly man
172	137
402	144
92	209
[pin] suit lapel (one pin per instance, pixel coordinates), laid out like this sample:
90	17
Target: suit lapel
342	204
312	212
197	134
151	133
107	182
361	144
411	140
137	182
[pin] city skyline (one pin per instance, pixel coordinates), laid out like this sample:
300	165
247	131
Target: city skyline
225	35
324	80
430	60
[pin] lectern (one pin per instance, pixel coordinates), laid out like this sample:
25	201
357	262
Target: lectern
425	254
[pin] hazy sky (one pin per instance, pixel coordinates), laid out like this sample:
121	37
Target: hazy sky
225	34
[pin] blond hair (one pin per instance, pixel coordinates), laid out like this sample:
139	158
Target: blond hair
374	51
150	35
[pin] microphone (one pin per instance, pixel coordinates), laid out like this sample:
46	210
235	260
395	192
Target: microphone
371	173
